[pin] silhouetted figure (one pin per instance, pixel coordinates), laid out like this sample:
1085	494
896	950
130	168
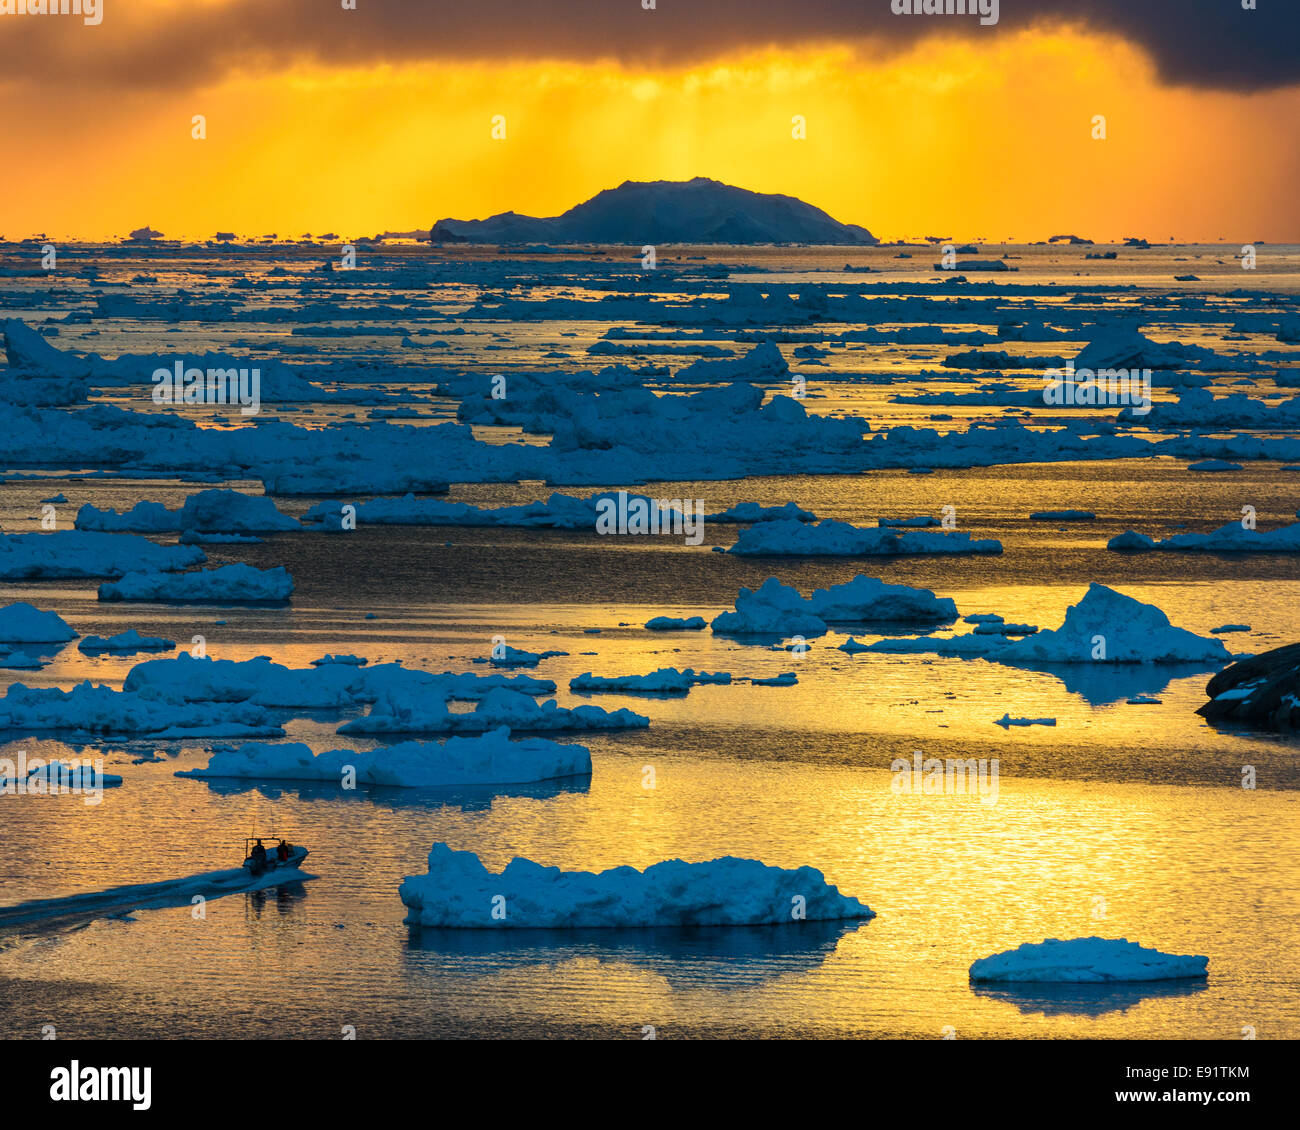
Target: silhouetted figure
259	858
282	852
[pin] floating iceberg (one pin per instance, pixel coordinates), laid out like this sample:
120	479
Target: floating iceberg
229	584
1108	627
396	713
20	661
753	512
840	539
103	711
127	641
507	656
458	891
1104	627
1086	961
24	623
1130	541
1232	537
920	522
775	608
666	680
61	777
208	512
78	553
488	759
675	624
319	687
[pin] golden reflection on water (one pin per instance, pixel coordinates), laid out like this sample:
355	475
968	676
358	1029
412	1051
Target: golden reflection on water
951	878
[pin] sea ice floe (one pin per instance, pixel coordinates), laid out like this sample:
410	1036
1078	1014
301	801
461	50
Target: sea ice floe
780	609
1104	627
459	891
103	711
840	539
490	758
753	512
398	713
124	642
229	584
328	686
666	680
506	656
20	661
210	512
1231	537
78	553
676	624
61	777
24	623
1087	961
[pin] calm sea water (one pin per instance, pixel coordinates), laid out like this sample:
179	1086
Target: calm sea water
1122	820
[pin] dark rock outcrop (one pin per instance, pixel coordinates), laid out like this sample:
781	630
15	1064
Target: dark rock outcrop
1263	691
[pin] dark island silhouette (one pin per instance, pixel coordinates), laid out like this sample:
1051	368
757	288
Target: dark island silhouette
696	211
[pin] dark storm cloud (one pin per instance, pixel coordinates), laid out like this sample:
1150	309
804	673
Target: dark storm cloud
1214	44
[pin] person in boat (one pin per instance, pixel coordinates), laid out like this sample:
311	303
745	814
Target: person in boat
259	857
282	852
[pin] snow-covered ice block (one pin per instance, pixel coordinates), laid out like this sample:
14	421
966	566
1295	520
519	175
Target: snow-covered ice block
675	624
1108	627
775	608
459	891
238	584
507	656
753	512
101	710
1131	541
20	661
490	758
61	777
78	553
404	713
208	512
1231	537
127	641
830	538
1104	627
24	623
666	680
1087	961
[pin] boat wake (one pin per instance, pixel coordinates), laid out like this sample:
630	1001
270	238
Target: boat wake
117	901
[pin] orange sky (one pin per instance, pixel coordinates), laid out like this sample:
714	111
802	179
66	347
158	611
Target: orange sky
973	140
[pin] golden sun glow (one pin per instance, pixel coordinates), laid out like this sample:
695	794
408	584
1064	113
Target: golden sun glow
951	139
